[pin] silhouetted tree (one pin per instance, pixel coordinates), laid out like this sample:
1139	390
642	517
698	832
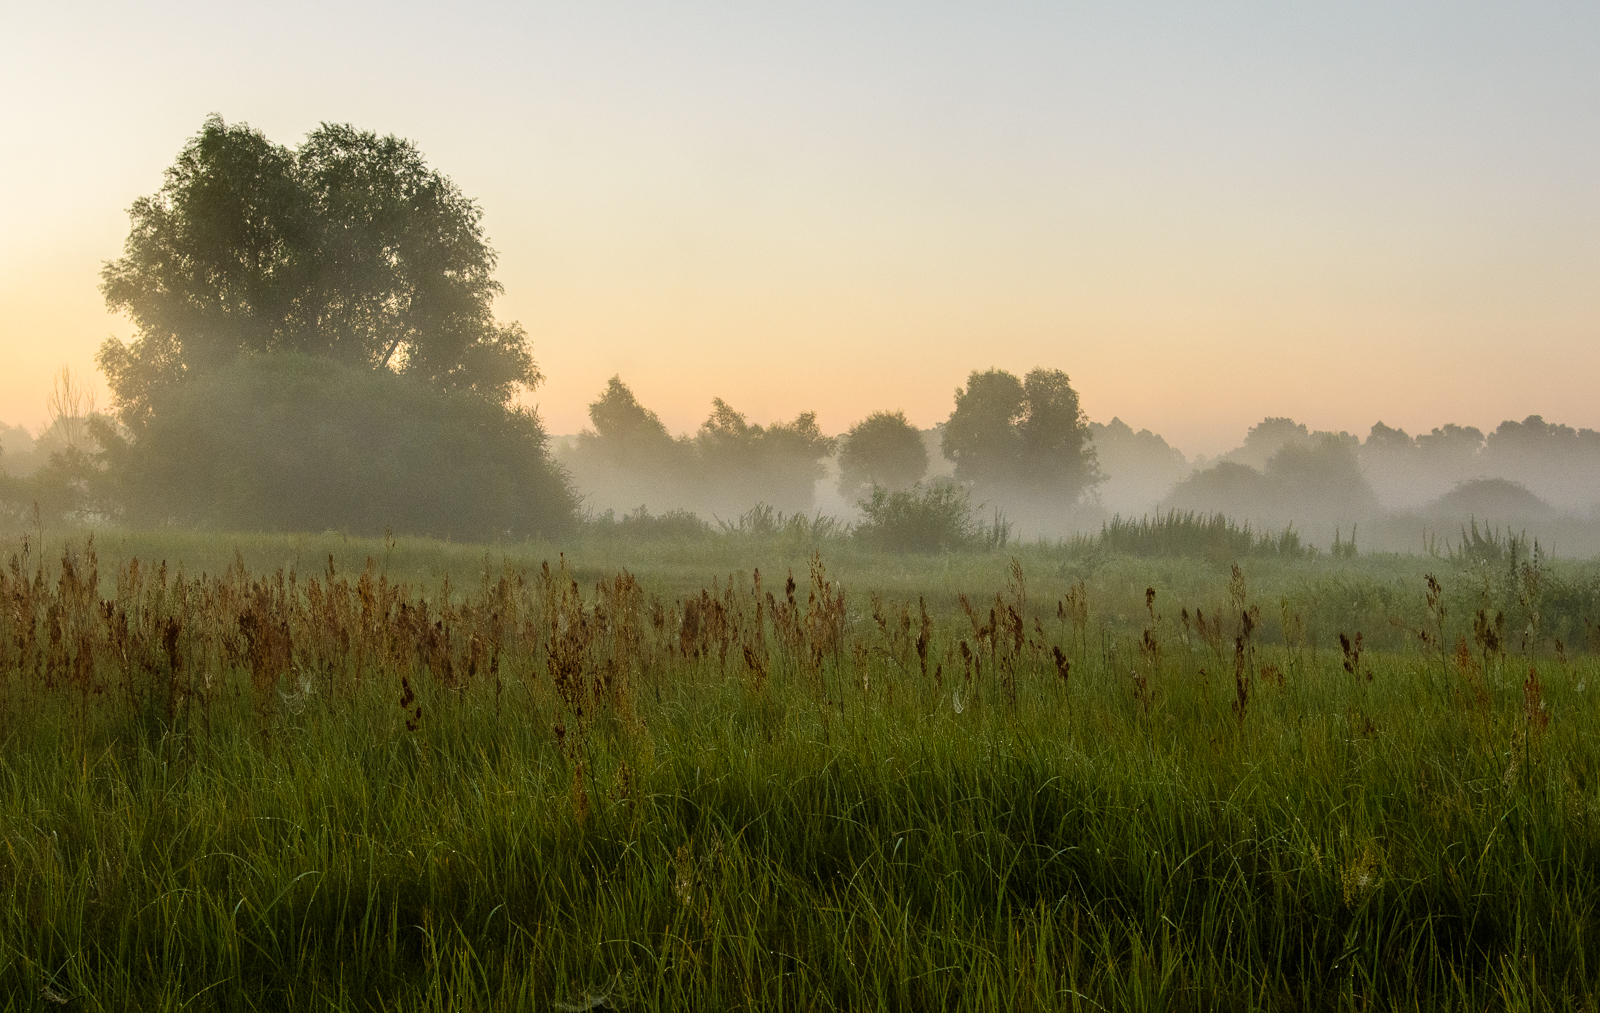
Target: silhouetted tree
349	247
883	449
316	348
778	464
626	433
982	436
1266	438
1029	435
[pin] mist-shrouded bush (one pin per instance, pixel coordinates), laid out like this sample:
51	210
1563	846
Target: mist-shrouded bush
1227	487
937	517
883	449
1496	499
293	443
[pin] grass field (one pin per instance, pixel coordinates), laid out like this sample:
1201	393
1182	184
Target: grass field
418	775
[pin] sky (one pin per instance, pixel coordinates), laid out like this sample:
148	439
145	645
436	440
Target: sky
1204	213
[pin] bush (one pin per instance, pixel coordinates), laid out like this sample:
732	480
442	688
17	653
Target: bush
292	443
934	518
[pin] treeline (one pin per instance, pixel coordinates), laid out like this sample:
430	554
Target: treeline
1006	437
1523	474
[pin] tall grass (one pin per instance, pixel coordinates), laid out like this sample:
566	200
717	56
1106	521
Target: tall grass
283	790
1213	537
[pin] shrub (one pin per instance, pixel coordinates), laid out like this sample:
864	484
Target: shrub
937	517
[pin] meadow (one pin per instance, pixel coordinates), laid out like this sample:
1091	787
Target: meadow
778	770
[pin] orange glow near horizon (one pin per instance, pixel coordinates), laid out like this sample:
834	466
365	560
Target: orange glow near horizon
1319	221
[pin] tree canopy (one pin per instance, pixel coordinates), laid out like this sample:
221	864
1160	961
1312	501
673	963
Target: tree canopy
626	433
348	247
883	449
1029	434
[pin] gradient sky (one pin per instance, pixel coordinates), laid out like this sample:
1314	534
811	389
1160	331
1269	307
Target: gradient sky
1204	213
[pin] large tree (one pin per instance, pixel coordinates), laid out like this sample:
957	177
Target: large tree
348	247
1027	435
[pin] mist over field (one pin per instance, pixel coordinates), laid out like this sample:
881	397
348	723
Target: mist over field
1395	491
798	507
1388	489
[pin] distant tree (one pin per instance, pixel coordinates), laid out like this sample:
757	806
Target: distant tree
1313	483
348	248
626	433
1058	451
629	459
1140	467
1560	463
982	436
778	464
1266	438
1384	439
883	449
1534	439
1029	435
1322	476
1451	443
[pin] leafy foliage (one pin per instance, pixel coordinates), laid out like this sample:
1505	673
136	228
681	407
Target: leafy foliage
937	517
1029	434
882	449
348	247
